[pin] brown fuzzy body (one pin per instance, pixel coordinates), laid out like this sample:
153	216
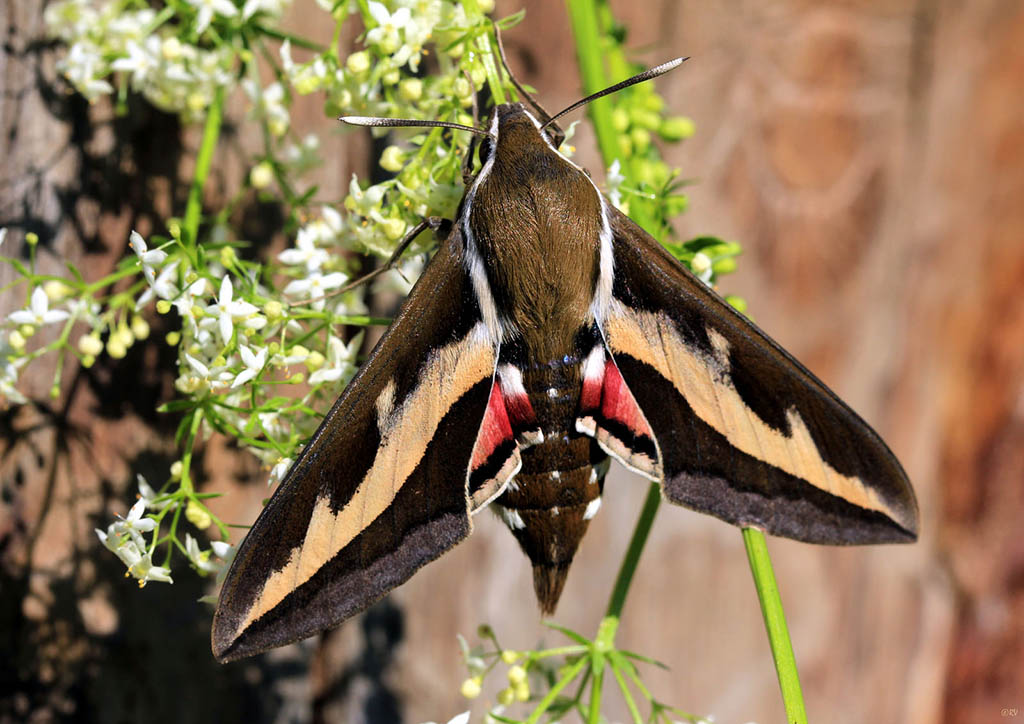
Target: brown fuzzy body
536	222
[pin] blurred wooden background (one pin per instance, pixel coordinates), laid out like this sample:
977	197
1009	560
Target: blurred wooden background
870	157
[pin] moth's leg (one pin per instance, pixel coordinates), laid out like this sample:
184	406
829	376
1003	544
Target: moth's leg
467	163
440	227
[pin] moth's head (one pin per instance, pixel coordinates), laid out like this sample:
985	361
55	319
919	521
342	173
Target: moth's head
513	129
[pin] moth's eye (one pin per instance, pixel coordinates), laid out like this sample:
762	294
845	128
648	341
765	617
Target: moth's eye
486	146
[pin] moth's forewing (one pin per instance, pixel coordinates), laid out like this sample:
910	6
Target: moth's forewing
745	432
381	489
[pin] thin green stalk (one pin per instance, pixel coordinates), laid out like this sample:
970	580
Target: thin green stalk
636	547
194	205
567	678
483	42
775	623
583	17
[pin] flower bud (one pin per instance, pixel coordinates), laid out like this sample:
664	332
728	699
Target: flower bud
262	175
620	119
516	675
506	696
170	48
701	263
471	688
197	515
56	290
641	138
163	306
358	62
176	470
314	361
16	339
273	309
228	257
115	347
90	344
410	89
676	128
393	159
393	228
172	338
140	328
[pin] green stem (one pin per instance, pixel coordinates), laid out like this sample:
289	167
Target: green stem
194	205
775	623
483	43
636	547
555	690
583	17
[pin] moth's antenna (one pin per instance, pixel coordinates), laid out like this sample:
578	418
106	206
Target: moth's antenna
373	121
639	78
545	117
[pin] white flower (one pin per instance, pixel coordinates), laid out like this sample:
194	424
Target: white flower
227	310
385	35
82	67
364	201
162	286
145	571
339	359
462	718
39	313
613	182
203	560
207	8
200	369
134	524
315	287
147	258
270	7
185	302
9	379
253	364
305	252
141	61
3	235
279	470
702	266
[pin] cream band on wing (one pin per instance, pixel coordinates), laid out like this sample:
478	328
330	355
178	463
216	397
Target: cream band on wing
447	376
705	382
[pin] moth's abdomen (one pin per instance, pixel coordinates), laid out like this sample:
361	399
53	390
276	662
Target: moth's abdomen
549	503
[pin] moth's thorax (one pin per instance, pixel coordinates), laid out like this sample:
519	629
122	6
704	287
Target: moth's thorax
536	220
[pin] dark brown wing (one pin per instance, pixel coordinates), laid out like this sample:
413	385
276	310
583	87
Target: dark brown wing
381	489
744	431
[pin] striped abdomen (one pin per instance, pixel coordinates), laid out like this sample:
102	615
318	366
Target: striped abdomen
550	501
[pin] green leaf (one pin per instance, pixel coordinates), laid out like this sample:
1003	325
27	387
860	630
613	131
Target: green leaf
645	659
578	638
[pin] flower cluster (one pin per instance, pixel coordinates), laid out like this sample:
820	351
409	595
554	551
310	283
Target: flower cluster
153	55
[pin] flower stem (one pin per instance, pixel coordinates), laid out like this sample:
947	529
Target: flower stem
636	547
483	43
194	205
583	17
775	623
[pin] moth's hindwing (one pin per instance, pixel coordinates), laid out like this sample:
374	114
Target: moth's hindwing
382	487
744	431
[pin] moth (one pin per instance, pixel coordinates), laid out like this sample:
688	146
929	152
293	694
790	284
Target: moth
548	335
